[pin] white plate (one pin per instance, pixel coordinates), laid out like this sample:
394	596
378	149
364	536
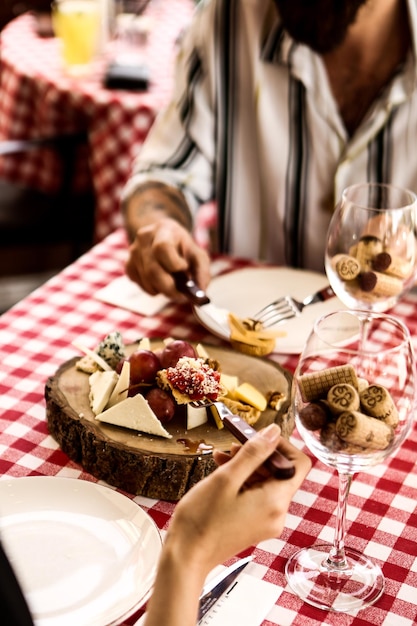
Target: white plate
85	555
246	291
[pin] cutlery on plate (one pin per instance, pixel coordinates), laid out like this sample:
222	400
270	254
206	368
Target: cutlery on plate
216	587
287	307
277	464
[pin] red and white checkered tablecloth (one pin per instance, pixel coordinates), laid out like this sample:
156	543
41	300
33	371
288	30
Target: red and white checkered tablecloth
37	98
35	339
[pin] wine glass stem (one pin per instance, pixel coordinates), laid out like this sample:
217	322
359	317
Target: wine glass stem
336	559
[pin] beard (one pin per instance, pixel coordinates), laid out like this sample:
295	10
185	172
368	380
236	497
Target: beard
320	24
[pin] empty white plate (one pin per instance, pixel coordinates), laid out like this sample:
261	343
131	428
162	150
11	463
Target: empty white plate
85	554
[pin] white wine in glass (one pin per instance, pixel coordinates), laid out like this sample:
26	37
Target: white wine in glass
371	251
354	400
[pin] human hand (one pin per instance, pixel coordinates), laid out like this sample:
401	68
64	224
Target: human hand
237	506
161	248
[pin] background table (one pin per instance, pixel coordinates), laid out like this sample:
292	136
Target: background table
35	339
37	98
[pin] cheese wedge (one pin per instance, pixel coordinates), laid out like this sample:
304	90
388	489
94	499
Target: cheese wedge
111	349
229	383
102	384
201	351
144	344
215	415
196	417
249	394
134	413
121	390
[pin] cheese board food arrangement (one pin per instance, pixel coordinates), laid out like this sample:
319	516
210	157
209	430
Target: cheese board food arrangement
127	412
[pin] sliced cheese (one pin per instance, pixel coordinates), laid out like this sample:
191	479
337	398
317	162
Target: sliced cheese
249	394
121	390
201	351
195	416
145	344
216	417
229	383
101	386
134	413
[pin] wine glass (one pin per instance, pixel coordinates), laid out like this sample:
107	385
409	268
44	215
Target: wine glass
371	251
353	403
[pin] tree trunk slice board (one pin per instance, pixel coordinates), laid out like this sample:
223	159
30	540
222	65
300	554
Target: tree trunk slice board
146	465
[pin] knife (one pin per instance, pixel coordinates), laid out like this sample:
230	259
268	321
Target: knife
216	587
199	299
186	285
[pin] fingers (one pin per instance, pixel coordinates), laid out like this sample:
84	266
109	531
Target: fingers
253	453
161	248
301	461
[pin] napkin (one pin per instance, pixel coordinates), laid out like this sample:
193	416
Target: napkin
247	603
124	293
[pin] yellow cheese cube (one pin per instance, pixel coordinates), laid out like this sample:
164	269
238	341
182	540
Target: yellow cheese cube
249	394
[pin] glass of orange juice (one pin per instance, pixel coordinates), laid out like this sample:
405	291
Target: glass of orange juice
77	24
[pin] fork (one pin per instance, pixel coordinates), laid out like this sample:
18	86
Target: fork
277	464
287	307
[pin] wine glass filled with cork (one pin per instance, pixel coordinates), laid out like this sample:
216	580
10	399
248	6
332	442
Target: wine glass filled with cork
371	252
354	402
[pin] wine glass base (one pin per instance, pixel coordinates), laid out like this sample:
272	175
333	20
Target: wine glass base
357	585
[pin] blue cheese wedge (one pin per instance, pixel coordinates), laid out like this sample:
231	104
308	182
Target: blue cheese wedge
134	413
111	349
101	386
121	390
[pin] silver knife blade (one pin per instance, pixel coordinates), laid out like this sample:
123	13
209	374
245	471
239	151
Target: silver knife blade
218	585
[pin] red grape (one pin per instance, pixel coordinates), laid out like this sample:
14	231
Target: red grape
161	403
144	365
174	351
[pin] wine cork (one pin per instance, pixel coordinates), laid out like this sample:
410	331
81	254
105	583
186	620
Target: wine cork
399	268
347	267
381	262
362	384
343	397
387	285
316	385
313	416
362	430
332	441
368	247
376	401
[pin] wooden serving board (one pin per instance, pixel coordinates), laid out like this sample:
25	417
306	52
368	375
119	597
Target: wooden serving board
145	464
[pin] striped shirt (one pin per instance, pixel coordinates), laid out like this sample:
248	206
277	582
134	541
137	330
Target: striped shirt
254	126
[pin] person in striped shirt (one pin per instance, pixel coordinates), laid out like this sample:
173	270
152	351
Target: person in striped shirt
278	105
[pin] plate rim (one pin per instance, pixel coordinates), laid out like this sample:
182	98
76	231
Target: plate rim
7	481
